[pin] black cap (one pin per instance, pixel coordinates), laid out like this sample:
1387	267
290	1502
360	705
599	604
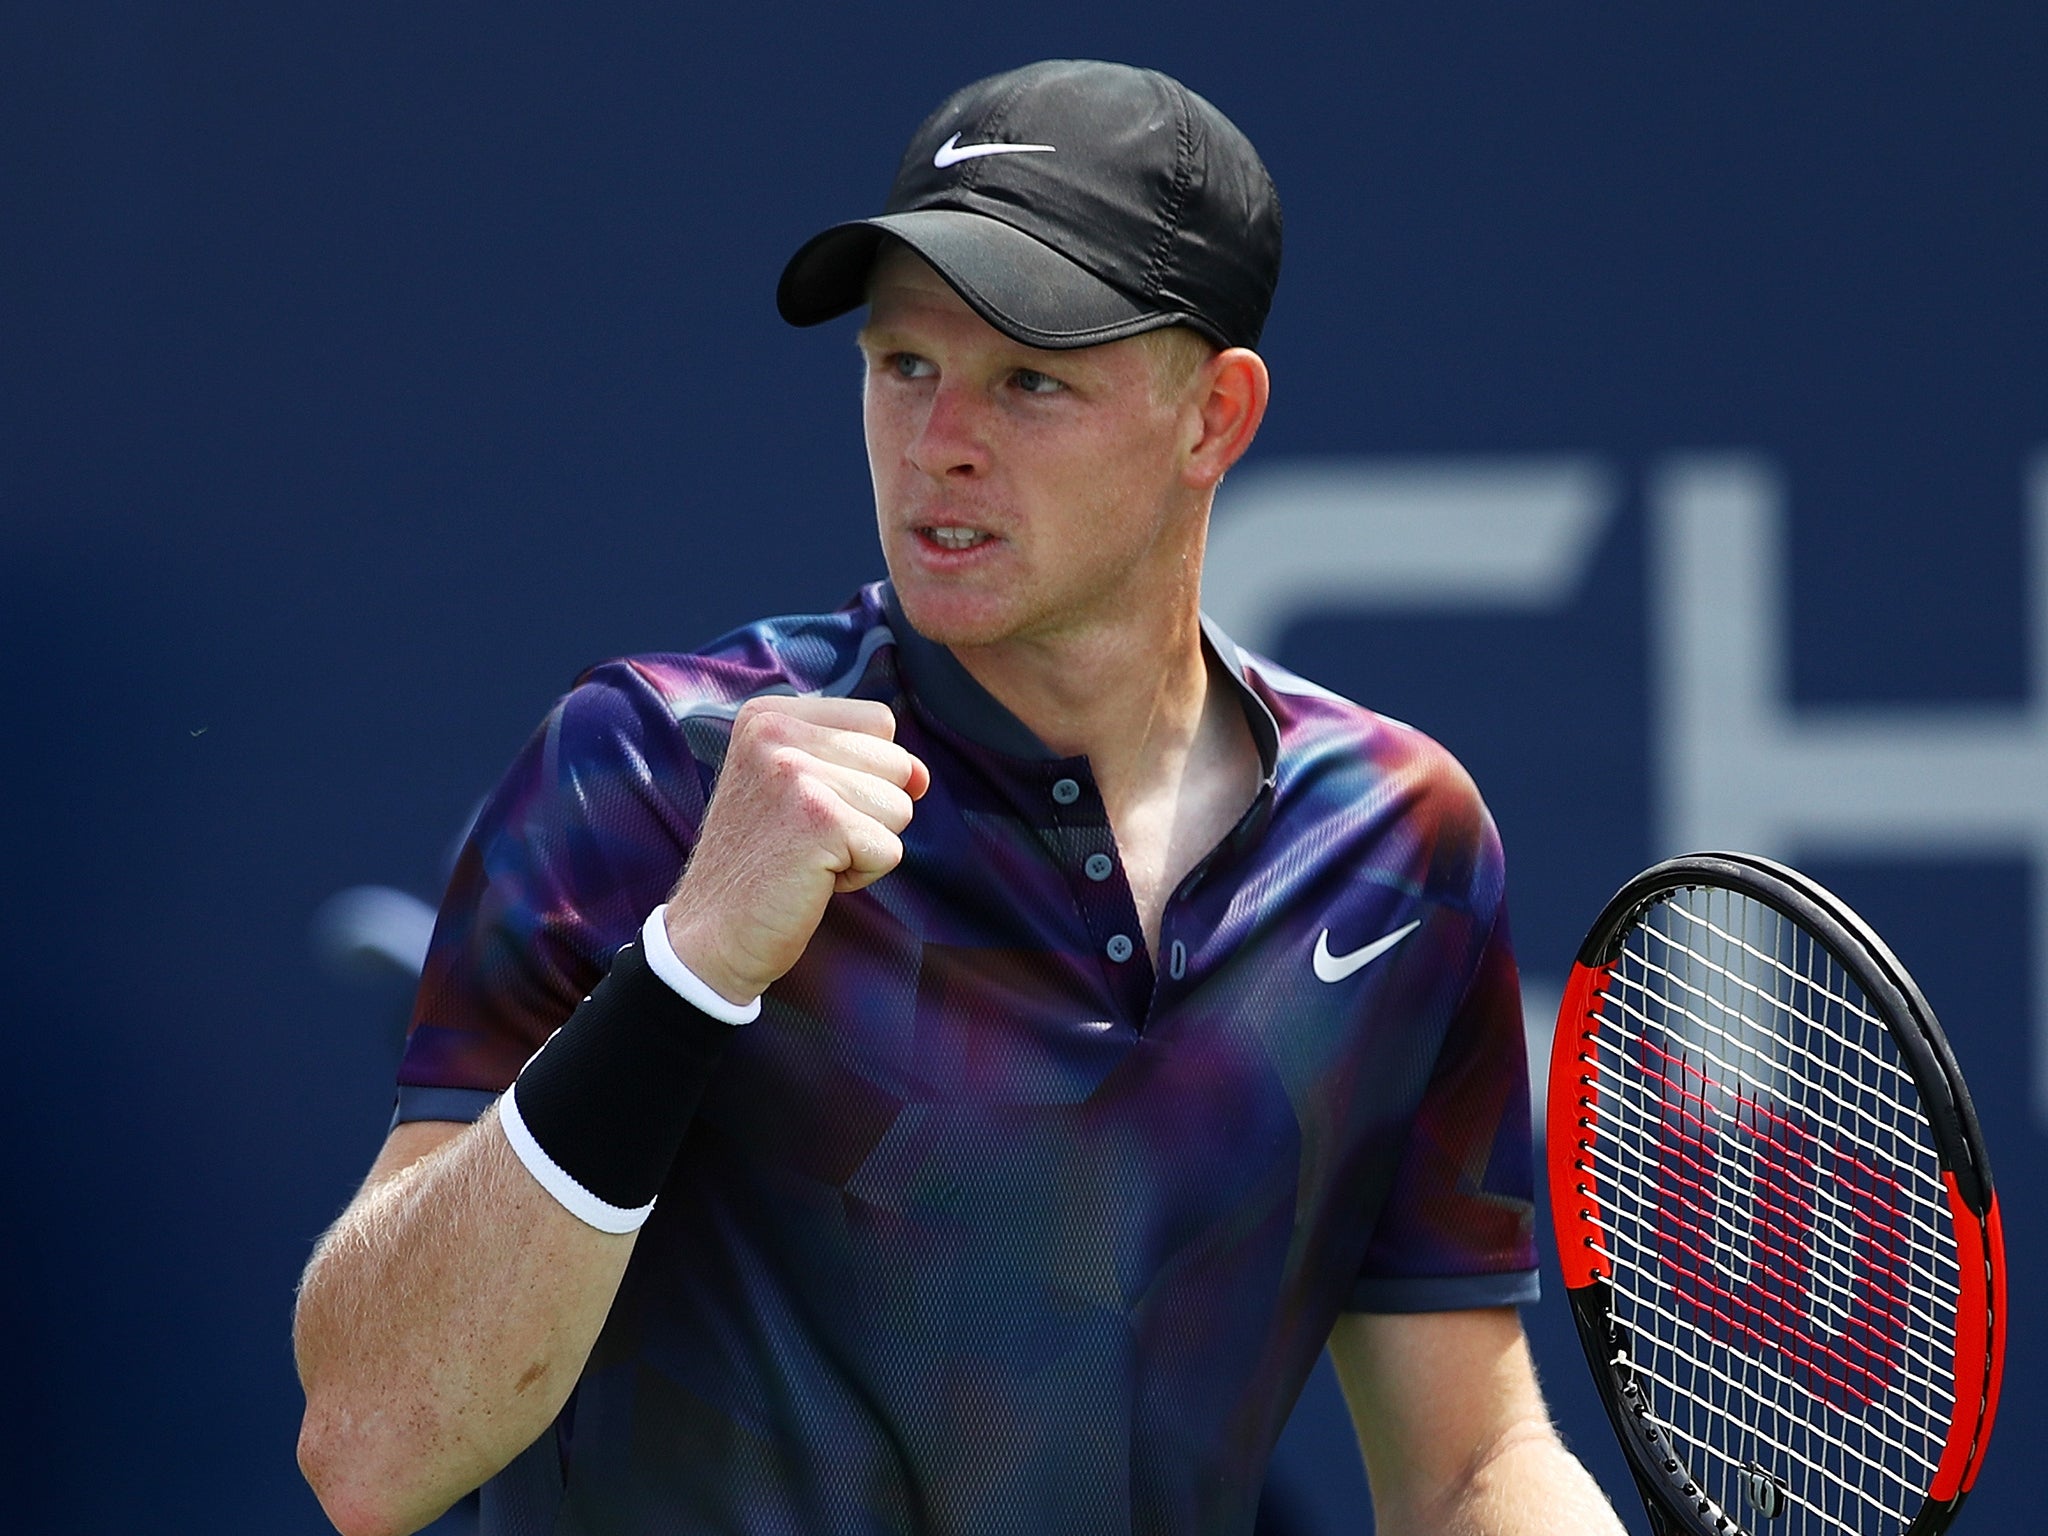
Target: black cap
1070	202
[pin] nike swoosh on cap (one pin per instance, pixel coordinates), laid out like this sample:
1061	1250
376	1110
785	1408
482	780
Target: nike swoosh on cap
952	152
1331	967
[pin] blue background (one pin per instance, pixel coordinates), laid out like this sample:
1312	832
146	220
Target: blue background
369	370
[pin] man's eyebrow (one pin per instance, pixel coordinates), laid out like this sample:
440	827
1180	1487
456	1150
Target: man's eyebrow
872	337
880	336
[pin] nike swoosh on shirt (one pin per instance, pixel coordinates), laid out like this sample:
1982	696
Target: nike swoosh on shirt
952	152
1331	967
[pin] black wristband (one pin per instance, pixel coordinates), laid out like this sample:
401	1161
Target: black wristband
598	1113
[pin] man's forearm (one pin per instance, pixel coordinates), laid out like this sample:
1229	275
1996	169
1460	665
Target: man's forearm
441	1324
1529	1486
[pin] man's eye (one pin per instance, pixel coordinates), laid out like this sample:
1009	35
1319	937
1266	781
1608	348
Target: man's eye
1032	382
908	365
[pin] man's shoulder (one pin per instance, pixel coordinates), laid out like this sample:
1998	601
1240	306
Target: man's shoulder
1323	728
810	653
1343	762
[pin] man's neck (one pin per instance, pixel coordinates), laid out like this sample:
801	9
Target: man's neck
1164	734
1128	694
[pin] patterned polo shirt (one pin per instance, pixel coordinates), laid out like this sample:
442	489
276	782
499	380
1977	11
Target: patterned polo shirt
995	1220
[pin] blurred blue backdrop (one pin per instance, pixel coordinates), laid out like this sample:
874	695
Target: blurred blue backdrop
368	371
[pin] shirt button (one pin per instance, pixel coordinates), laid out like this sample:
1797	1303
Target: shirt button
1065	791
1098	866
1118	948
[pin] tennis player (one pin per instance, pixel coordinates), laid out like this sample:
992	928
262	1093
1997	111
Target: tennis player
1064	1023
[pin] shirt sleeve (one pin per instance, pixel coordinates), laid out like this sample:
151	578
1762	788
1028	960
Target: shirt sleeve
1458	1226
585	833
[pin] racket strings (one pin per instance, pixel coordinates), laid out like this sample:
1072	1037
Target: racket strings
1804	980
1773	1213
1912	1370
1920	1226
1851	1098
1855	1115
1789	1213
1797	1446
1882	1074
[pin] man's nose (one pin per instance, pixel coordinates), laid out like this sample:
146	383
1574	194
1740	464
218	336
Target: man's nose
953	438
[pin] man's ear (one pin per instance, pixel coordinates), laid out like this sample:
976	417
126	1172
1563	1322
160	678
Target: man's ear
1229	394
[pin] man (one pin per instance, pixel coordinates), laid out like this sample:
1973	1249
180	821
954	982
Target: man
1063	1023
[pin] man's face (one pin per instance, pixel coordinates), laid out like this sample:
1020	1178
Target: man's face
1021	493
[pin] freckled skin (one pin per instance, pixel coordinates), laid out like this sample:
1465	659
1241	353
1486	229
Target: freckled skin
1069	459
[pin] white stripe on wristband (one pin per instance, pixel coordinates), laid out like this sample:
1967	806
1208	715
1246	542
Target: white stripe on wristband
684	982
571	1196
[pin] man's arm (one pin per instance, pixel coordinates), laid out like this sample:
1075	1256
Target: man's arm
1455	1435
441	1324
444	1319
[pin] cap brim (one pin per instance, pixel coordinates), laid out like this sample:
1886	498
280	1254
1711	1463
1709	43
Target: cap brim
1018	284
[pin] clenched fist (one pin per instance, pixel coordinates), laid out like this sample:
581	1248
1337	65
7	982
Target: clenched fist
813	799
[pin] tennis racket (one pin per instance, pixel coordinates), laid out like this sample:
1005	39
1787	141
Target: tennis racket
1774	1211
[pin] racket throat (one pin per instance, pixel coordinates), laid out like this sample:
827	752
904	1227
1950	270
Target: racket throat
1676	1502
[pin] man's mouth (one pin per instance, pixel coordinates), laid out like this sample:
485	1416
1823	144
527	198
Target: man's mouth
953	537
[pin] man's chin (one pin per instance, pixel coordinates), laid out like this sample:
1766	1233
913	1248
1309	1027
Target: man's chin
957	632
956	618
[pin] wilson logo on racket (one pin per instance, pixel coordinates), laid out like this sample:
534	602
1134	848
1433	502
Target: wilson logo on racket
1776	1243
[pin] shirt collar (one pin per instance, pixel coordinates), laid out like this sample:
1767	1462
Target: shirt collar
946	688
